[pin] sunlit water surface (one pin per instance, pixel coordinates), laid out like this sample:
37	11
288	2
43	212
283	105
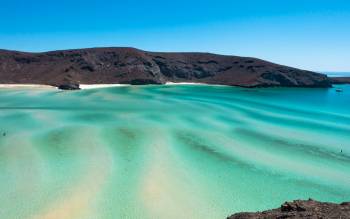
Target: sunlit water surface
170	151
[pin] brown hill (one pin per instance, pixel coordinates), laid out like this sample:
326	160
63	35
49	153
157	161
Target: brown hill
133	66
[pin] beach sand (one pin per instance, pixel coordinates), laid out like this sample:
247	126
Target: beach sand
94	86
184	83
88	86
41	86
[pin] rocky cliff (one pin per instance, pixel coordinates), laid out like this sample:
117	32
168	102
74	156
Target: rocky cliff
299	209
133	66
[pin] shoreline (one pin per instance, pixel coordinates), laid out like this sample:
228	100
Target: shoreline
96	86
186	83
90	86
40	86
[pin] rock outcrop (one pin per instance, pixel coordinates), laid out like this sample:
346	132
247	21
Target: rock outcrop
300	209
69	86
133	66
340	80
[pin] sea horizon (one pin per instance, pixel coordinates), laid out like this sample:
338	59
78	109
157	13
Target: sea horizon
337	73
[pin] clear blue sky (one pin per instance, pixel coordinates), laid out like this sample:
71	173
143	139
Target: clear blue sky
310	34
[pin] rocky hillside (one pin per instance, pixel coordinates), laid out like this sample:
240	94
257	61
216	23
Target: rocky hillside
133	66
299	209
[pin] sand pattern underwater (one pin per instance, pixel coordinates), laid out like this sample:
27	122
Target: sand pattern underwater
181	151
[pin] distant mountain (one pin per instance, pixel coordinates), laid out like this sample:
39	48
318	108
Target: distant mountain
133	66
340	80
337	74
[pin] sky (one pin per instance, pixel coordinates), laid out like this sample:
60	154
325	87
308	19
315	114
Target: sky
308	34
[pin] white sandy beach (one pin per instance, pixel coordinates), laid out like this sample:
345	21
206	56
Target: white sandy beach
192	83
184	83
86	86
94	86
41	86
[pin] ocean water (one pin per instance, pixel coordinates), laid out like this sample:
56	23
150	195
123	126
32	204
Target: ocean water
181	151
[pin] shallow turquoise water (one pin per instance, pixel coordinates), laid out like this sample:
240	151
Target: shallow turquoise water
170	151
